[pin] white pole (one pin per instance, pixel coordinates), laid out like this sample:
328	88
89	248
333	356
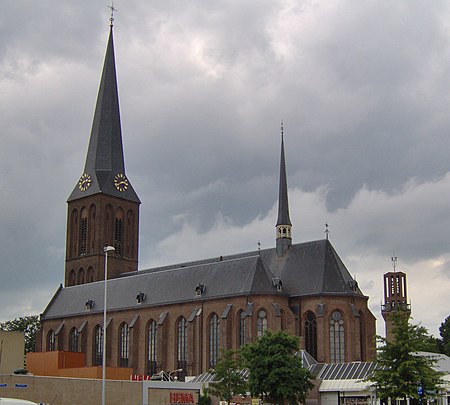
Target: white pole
106	250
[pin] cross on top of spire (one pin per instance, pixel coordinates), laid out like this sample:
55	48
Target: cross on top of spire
111	19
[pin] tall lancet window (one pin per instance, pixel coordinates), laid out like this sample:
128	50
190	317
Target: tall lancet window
242	328
73	340
82	245
97	352
337	335
182	345
152	348
262	322
118	232
214	340
51	340
311	334
124	345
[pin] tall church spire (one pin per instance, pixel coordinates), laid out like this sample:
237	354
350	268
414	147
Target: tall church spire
104	169
284	239
103	208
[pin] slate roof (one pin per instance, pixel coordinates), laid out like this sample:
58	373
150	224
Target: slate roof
105	157
312	268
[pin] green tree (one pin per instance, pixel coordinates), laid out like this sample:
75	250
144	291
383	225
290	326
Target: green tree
400	368
29	325
229	381
444	341
275	373
204	398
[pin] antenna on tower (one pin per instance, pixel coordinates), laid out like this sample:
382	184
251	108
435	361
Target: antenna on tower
111	19
394	261
326	230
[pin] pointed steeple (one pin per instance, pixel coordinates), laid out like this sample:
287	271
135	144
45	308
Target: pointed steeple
284	239
103	209
104	169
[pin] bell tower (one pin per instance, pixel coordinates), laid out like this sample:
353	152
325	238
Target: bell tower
103	208
395	298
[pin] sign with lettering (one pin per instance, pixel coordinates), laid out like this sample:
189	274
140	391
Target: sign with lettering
181	398
356	400
140	377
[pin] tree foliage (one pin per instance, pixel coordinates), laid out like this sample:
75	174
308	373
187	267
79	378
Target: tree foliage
229	381
275	373
444	342
400	368
204	398
29	325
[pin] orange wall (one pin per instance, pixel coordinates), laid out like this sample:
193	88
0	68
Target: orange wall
70	364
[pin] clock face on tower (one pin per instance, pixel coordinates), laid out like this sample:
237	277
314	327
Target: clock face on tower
84	182
121	182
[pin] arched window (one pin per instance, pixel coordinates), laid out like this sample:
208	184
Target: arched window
72	277
182	345
337	347
130	234
73	233
362	336
73	340
262	322
51	341
90	275
242	317
311	333
118	232
283	320
97	352
82	244
152	348
109	224
124	345
80	276
214	340
91	228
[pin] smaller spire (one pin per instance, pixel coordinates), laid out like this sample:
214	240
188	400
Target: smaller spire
283	225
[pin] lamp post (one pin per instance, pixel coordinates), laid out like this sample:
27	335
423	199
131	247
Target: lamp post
106	249
174	371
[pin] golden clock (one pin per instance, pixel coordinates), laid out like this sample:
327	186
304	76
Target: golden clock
121	182
84	182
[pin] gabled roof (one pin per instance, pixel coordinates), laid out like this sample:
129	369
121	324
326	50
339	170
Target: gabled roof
105	158
312	268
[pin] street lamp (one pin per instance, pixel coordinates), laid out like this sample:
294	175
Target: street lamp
178	370
106	249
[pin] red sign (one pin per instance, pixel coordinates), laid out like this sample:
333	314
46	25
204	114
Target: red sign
181	398
140	377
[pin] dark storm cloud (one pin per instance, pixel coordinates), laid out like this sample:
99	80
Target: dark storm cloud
361	88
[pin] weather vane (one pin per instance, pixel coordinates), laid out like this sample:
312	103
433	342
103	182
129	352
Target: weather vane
111	19
282	128
394	261
326	230
259	247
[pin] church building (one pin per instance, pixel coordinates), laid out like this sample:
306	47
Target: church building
179	317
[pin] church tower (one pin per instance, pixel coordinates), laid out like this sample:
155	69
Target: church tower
284	225
395	298
103	208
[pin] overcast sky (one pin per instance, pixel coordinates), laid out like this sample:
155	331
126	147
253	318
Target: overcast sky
361	86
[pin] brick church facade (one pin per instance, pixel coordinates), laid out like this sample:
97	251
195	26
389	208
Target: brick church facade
180	316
